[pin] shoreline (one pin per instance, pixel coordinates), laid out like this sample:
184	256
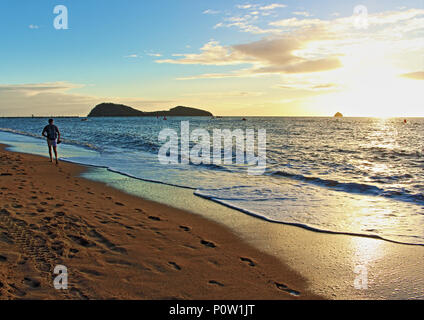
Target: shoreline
326	262
36	145
118	246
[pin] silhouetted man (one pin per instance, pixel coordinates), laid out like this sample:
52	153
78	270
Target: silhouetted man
51	132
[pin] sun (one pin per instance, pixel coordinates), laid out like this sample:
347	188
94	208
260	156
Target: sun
372	86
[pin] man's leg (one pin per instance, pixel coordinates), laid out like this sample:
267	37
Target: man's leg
50	153
55	153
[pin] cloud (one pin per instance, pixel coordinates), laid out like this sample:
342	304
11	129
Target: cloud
210	11
229	94
132	56
309	66
302	13
212	53
324	86
39	87
233	74
54	98
136	56
273	6
244	20
392	17
386	23
42	99
271	51
295	22
308	85
419	75
266	56
33	26
246	24
306	46
246	6
250	16
152	54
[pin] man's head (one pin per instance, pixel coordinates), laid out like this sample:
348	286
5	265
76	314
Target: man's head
51	121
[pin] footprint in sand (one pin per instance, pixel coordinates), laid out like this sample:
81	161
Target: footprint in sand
216	283
187	229
248	261
154	218
33	283
91	272
81	241
208	244
58	247
78	293
106	242
284	288
176	266
22	260
16	291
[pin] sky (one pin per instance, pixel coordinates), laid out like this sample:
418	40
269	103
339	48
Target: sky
249	58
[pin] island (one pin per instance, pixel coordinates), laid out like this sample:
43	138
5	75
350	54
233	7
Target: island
338	115
120	110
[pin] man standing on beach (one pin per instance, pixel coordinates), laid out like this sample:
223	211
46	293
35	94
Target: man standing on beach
51	132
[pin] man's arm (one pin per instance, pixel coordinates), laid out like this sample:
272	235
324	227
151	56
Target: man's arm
44	133
58	133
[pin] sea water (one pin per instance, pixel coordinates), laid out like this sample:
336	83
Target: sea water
353	175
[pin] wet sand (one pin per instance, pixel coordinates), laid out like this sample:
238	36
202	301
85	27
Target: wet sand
119	246
329	262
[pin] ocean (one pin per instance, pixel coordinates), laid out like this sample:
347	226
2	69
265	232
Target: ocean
361	176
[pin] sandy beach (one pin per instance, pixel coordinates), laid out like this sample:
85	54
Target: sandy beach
212	152
118	246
